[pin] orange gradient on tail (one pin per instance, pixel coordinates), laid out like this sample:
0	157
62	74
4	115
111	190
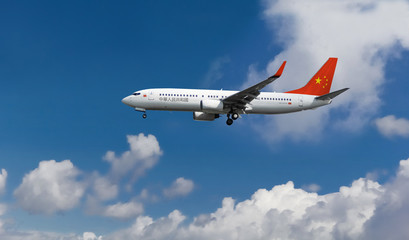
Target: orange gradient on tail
320	83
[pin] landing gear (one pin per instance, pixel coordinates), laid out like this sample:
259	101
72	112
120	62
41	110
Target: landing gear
229	121
141	110
234	116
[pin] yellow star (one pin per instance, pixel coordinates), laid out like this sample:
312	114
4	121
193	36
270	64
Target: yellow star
318	80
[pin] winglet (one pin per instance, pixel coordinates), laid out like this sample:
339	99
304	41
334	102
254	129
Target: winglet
280	70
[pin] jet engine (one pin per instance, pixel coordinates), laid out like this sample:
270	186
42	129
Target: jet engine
211	106
201	116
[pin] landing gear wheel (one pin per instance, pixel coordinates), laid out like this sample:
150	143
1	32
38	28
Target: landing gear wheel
229	121
144	115
234	116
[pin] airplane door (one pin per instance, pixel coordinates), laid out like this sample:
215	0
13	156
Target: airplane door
150	96
300	101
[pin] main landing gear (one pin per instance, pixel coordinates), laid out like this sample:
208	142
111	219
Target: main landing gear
234	116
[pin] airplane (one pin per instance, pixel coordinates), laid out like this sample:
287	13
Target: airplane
207	105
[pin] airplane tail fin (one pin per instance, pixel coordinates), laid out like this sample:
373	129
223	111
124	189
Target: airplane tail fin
320	83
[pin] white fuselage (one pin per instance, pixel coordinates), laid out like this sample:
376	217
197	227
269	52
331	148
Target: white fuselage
172	99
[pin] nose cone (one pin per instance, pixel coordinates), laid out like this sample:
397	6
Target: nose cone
127	101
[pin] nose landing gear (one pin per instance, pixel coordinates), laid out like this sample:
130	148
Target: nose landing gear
141	110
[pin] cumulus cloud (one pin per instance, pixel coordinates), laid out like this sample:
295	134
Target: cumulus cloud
146	228
37	235
3	180
52	187
364	34
104	189
3	207
124	211
90	236
392	214
391	126
364	210
180	187
143	154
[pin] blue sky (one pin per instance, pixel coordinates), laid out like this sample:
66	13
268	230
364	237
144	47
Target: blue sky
65	66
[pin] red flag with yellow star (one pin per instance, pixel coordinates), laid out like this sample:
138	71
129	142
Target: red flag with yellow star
320	83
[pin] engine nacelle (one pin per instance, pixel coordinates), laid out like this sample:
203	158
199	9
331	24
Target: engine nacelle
211	106
201	116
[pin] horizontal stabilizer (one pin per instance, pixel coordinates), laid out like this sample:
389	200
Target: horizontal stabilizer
331	95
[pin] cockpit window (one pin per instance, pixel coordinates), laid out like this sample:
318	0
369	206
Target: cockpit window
136	94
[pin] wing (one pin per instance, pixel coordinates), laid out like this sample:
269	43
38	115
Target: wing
240	99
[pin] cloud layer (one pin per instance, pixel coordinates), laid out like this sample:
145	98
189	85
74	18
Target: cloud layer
363	34
364	210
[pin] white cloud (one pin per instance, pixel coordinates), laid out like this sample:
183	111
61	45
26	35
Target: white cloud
180	187
104	189
214	73
147	196
37	235
364	34
124	211
364	210
3	207
143	154
146	228
90	236
50	188
391	126
3	180
311	187
392	214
